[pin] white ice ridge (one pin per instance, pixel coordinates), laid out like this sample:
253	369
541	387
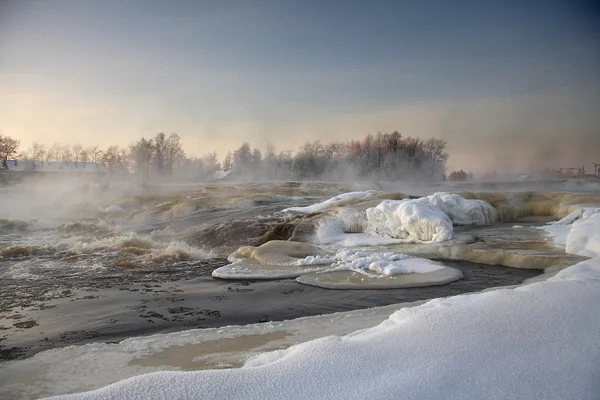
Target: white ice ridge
332	202
579	232
535	341
427	219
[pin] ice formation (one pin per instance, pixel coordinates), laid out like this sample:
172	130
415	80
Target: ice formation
409	219
486	345
276	259
346	269
428	219
341	199
386	263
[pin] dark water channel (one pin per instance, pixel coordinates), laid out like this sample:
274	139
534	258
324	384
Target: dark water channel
109	306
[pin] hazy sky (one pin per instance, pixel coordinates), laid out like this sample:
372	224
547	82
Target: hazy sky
512	84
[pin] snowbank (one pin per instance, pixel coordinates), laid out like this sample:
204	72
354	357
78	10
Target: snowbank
428	219
534	341
579	232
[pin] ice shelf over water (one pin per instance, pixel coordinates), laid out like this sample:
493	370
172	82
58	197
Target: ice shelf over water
345	269
534	341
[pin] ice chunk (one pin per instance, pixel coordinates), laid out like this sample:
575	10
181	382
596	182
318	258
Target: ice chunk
462	211
409	219
428	219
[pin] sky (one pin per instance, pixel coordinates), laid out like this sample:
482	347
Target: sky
511	85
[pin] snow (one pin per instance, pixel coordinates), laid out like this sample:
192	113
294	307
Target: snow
428	219
584	237
534	341
286	259
386	263
462	211
331	230
333	202
409	219
579	232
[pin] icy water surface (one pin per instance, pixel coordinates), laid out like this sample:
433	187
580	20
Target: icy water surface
101	263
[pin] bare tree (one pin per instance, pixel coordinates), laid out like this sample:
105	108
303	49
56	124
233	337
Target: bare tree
77	151
65	154
115	160
54	152
174	154
8	147
211	163
94	154
227	163
270	154
141	154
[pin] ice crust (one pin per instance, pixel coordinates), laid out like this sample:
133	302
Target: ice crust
428	219
277	259
284	259
579	232
386	263
533	341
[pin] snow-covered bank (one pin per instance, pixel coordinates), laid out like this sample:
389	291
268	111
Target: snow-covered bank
534	341
579	232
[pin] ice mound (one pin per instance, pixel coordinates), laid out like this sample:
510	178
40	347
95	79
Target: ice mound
409	219
579	232
341	199
461	347
344	227
277	259
462	211
428	219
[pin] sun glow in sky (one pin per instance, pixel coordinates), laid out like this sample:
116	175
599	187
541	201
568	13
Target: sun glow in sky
509	84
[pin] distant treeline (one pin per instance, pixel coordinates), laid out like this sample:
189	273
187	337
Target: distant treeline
388	156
